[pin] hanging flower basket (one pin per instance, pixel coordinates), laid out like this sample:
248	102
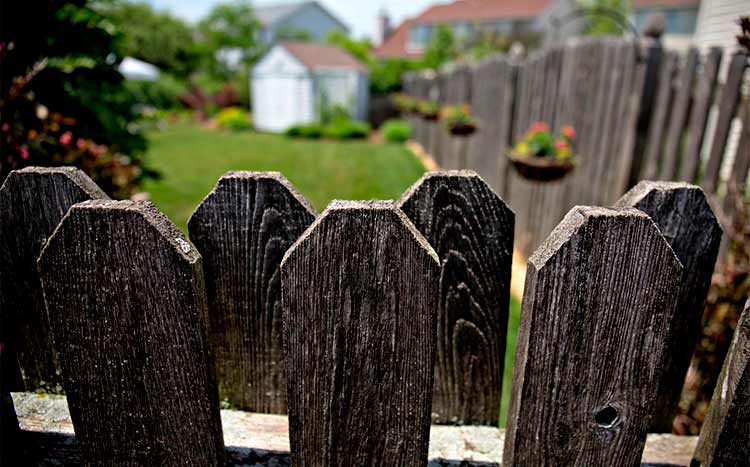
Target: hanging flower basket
542	157
429	110
458	120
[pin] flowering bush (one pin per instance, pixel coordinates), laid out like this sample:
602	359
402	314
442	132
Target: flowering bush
233	118
540	142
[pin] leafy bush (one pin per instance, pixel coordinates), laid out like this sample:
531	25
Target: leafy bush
162	93
311	130
396	131
233	118
346	129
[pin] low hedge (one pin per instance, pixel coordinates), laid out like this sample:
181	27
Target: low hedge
396	131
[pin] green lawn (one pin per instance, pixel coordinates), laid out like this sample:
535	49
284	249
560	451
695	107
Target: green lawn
191	159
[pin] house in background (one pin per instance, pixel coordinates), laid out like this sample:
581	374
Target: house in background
681	17
467	17
296	81
308	19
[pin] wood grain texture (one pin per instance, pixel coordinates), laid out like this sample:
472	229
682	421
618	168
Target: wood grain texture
127	307
598	299
32	202
660	119
704	96
359	291
730	98
725	436
242	230
684	216
471	230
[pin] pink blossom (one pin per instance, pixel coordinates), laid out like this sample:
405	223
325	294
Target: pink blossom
24	152
66	138
6	127
80	143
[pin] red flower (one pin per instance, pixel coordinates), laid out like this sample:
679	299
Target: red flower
80	143
66	138
561	144
24	152
537	127
568	132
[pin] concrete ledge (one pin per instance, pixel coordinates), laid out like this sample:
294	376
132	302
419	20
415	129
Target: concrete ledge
262	440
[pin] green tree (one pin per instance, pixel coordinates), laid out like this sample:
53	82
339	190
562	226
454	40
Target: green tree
62	100
605	17
359	49
231	26
155	37
441	49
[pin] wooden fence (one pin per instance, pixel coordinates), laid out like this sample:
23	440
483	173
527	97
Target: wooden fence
368	320
641	112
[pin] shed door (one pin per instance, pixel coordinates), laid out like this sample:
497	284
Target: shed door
281	101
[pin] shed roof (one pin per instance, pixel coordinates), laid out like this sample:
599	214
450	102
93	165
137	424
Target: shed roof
316	56
272	14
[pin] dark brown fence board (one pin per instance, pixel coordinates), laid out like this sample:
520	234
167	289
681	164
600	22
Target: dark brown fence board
684	216
730	98
359	291
725	436
741	164
660	118
678	116
242	229
32	202
591	344
471	230
127	307
704	97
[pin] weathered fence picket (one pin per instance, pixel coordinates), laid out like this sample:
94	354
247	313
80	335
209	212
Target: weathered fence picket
359	291
242	229
127	309
32	202
599	295
725	436
471	230
684	217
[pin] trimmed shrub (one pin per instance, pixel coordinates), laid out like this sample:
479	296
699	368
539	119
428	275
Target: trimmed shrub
396	131
312	131
233	118
347	129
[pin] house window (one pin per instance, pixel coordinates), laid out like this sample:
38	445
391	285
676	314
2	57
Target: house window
419	36
678	20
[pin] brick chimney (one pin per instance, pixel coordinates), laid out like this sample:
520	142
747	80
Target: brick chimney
384	29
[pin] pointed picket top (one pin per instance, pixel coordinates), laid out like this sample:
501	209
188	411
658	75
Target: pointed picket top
684	216
243	228
359	293
127	308
33	200
471	229
592	342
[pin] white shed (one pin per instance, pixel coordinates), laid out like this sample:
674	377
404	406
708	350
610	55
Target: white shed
296	81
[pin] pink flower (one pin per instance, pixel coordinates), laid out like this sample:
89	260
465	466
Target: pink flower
66	138
6	127
80	143
568	132
538	127
24	152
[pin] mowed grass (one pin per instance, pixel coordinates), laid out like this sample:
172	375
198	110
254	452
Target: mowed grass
191	159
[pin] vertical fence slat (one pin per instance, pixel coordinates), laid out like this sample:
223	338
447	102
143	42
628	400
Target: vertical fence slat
725	436
359	292
678	116
742	158
730	97
701	108
124	292
471	230
591	343
242	229
32	202
660	118
685	218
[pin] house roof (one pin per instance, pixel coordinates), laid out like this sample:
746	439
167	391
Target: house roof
317	56
459	10
271	14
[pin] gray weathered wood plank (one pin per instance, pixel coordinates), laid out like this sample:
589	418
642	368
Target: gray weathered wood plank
359	291
725	436
678	116
599	296
242	230
684	216
471	230
730	98
127	308
660	118
701	108
32	202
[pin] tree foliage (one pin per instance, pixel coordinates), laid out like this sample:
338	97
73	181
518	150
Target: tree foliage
231	26
605	17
